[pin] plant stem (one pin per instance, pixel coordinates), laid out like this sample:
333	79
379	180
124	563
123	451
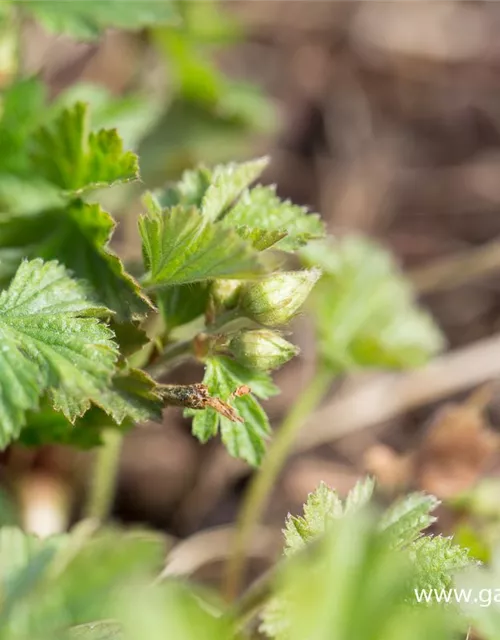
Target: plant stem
262	483
170	358
103	485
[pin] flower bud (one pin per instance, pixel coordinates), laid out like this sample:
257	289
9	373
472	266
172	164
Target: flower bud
274	300
262	349
225	293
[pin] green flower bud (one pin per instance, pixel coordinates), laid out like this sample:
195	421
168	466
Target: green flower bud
274	300
262	349
225	293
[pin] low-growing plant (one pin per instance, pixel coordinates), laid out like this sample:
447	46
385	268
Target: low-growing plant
85	343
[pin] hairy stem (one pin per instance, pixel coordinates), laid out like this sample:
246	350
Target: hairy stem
262	483
103	484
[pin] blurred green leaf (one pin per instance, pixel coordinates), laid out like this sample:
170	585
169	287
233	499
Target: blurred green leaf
133	115
180	247
483	605
352	586
86	19
72	157
246	439
171	610
322	507
364	308
190	133
405	520
100	630
22	110
437	560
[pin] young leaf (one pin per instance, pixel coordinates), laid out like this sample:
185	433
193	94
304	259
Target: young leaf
72	157
228	181
51	342
405	520
322	507
180	246
260	239
351	586
188	191
364	308
261	209
224	377
437	560
86	19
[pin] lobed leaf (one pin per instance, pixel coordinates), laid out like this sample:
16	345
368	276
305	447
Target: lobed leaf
405	520
228	182
78	237
322	507
181	247
51	342
131	397
69	155
261	209
437	560
364	308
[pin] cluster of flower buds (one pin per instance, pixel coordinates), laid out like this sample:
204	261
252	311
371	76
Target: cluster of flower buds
271	301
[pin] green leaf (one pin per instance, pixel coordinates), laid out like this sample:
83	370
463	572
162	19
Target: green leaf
260	239
351	586
133	394
129	336
86	19
437	560
180	304
78	237
364	308
483	609
180	246
134	115
188	191
261	209
22	108
131	398
242	439
72	157
51	342
323	506
405	520
228	182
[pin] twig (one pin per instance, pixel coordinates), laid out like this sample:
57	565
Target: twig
386	396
